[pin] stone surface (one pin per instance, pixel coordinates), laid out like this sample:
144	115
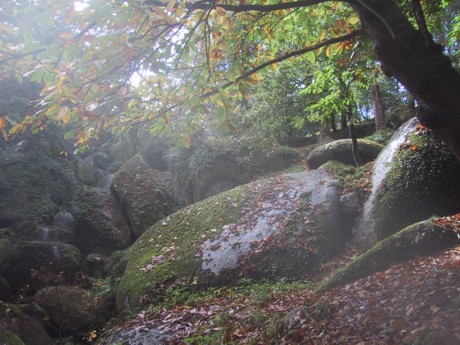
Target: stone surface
99	226
340	150
35	182
16	327
418	239
72	308
47	259
279	227
144	194
422	182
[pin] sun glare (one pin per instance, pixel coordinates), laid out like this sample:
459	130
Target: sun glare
80	5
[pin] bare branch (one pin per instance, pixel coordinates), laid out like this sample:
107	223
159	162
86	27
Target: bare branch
420	18
284	57
211	4
258	8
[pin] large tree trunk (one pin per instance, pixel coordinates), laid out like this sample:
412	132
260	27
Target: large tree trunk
419	65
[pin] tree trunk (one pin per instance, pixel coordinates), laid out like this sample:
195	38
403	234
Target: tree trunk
417	64
379	112
323	133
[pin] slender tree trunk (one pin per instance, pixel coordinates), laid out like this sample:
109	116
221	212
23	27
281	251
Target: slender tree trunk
379	112
343	120
420	66
354	139
323	133
333	124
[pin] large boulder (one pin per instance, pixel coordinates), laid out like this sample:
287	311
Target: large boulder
35	182
212	168
422	182
72	308
341	150
145	195
279	227
7	252
39	264
99	225
18	328
423	238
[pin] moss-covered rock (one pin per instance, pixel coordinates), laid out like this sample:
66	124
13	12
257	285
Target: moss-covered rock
35	182
99	225
341	150
18	328
145	195
7	252
212	168
421	238
5	291
279	227
71	308
49	260
422	182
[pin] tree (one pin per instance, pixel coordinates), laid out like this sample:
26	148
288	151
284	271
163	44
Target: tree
196	57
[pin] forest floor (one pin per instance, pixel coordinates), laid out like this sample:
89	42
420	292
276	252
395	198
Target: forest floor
416	302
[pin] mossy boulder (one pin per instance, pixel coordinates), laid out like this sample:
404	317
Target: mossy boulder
7	252
422	182
35	183
72	308
145	195
341	150
279	227
99	225
38	264
421	238
212	168
5	290
28	231
18	328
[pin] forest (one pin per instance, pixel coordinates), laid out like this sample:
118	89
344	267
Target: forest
229	172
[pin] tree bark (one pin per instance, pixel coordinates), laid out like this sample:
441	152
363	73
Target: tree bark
379	112
421	68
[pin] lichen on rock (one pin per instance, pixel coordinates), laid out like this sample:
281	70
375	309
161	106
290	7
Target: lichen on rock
279	227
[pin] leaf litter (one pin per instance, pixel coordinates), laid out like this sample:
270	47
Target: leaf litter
416	302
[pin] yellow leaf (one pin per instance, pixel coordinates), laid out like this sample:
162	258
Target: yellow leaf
66	35
62	112
323	35
5	135
186	141
66	118
221	11
16	129
353	20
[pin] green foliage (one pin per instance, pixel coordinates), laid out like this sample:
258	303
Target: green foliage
167	65
276	106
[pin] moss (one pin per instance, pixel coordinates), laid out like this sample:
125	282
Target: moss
341	150
422	182
72	308
7	251
9	338
418	239
142	283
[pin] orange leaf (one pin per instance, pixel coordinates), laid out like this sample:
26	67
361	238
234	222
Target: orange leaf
2	123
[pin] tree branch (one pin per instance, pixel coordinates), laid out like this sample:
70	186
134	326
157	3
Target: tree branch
211	4
421	22
282	58
260	8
